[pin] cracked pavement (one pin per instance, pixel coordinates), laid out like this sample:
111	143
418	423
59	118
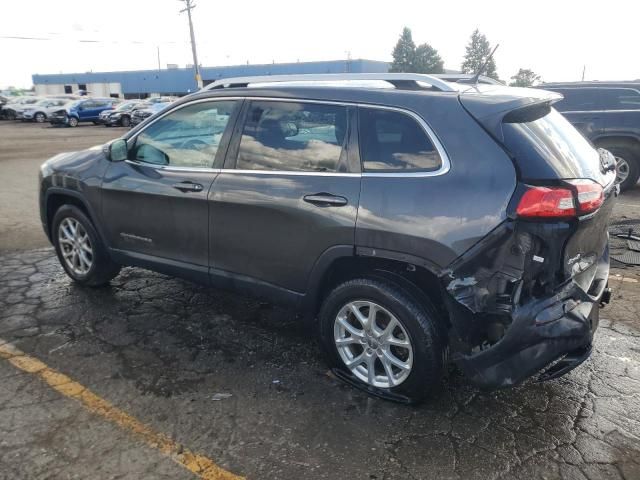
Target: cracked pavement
170	353
161	349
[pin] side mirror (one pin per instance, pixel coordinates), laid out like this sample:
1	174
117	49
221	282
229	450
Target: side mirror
118	151
150	154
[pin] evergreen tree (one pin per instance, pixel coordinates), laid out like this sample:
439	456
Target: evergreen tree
427	60
403	53
525	78
477	52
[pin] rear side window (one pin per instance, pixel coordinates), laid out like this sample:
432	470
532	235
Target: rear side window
392	141
620	99
294	136
578	99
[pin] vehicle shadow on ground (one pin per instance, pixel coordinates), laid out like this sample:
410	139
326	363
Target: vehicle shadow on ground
162	349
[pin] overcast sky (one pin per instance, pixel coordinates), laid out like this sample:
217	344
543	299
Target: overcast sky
553	38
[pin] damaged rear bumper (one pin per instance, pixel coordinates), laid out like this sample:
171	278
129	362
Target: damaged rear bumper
558	328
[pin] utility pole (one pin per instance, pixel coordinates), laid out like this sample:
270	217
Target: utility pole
584	68
158	48
190	6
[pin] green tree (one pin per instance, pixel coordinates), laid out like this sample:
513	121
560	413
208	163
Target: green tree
478	51
403	53
525	78
427	60
409	58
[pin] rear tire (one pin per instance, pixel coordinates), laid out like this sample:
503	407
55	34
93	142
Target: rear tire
125	121
80	249
407	359
628	160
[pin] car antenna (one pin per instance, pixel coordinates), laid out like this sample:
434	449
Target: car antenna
476	78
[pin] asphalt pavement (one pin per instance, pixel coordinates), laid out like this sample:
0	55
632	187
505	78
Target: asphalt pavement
154	377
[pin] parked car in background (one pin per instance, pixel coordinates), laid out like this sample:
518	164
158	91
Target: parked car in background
10	109
428	223
39	111
608	114
85	110
142	112
3	101
120	115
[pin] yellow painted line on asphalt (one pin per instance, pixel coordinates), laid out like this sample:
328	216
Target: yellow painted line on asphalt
200	465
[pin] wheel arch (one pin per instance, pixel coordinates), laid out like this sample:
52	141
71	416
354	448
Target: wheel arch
417	280
58	197
618	140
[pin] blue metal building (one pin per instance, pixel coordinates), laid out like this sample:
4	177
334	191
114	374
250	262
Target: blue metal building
179	81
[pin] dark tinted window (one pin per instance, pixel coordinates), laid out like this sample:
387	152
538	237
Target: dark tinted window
393	141
294	137
620	99
577	99
550	147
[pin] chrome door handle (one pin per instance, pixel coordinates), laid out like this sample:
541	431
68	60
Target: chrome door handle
325	200
188	187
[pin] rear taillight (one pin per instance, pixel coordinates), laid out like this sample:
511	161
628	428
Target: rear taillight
590	195
546	202
558	202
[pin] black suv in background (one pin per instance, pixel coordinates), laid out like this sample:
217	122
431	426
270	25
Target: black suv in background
608	114
421	224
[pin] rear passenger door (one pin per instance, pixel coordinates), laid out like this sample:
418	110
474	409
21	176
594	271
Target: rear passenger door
289	192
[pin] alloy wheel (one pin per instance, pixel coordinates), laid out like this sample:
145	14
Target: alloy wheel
75	246
373	344
622	169
40	118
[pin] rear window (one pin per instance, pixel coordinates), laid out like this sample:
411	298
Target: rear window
394	142
550	148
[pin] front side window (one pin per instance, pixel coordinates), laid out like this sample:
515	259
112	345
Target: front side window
392	141
294	136
187	137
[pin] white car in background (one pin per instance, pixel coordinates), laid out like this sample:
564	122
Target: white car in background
10	109
40	110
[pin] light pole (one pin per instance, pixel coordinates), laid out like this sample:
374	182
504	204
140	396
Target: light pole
196	66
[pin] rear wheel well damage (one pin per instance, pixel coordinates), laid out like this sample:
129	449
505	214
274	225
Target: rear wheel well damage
417	281
517	263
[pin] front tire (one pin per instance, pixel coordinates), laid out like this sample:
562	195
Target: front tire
73	122
80	249
40	117
125	121
383	339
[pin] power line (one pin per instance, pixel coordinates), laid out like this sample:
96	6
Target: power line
86	40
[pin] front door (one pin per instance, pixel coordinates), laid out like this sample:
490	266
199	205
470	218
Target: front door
155	203
289	193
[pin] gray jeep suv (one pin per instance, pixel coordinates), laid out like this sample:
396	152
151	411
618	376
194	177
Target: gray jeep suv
421	224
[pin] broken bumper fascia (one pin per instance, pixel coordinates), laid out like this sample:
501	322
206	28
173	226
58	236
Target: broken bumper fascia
559	327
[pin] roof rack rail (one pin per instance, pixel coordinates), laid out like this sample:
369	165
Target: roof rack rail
408	81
